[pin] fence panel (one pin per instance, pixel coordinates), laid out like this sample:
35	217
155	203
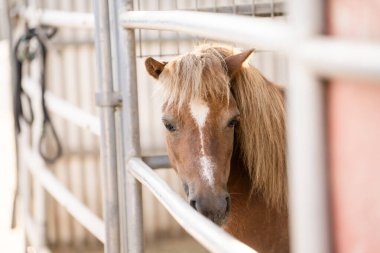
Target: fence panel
120	56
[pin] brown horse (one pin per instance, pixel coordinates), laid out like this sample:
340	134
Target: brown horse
226	140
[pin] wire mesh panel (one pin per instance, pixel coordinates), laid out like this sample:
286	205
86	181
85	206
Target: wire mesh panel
172	43
166	45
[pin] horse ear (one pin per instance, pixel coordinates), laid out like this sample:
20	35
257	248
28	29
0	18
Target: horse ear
234	62
280	89
154	67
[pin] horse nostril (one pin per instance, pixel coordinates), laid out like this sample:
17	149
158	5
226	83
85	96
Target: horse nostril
193	204
228	201
186	189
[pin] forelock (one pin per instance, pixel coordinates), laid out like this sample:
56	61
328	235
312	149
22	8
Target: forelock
199	75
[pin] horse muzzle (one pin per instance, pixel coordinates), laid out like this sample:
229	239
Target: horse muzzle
215	208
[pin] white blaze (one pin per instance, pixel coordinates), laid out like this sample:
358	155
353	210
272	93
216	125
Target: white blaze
207	170
199	111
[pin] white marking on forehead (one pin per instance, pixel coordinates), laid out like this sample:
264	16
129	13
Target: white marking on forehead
199	111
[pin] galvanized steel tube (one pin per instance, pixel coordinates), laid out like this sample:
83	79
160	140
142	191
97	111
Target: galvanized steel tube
24	179
327	56
117	57
131	135
333	57
157	162
125	80
108	131
72	113
61	18
39	195
248	31
63	196
203	230
65	109
323	55
308	202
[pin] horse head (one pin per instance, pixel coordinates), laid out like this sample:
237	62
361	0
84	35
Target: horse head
200	115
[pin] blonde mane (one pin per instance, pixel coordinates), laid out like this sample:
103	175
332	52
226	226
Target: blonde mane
202	74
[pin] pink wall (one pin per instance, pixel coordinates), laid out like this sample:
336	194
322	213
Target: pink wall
354	136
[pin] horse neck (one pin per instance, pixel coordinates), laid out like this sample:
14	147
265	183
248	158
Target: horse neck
251	219
239	181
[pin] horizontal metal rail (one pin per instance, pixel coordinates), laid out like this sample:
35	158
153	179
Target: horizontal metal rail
62	195
68	19
326	56
86	20
263	33
65	109
157	162
73	114
331	57
212	238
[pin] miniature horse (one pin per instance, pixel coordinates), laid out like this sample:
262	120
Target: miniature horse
226	140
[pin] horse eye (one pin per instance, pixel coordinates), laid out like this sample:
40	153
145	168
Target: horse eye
233	123
169	127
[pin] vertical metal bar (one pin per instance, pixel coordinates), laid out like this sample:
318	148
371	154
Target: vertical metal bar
272	8
65	220
39	197
6	28
108	131
119	65
39	206
309	223
176	33
131	135
124	66
253	7
197	9
5	20
159	32
140	36
24	182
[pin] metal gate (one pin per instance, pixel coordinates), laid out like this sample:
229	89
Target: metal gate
311	56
